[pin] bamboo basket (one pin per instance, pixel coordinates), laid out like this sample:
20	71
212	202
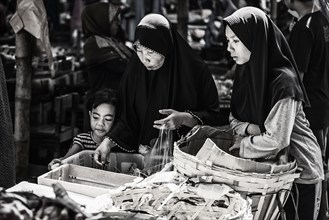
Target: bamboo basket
268	185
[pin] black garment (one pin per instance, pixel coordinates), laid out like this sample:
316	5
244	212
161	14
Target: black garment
306	194
309	42
271	73
106	75
7	149
106	56
182	83
3	26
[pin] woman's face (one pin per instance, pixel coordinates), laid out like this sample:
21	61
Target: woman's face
151	59
239	52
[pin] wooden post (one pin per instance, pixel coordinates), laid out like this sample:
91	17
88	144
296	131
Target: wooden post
22	101
182	17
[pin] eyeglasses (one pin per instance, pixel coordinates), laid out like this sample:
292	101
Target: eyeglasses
138	48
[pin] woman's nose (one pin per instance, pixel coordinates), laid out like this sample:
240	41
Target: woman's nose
145	57
229	47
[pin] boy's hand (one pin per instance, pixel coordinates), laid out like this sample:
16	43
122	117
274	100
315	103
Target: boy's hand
54	163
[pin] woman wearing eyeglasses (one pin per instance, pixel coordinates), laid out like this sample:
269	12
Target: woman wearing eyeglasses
165	84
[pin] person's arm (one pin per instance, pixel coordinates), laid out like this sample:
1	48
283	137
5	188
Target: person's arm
75	148
278	124
102	153
243	128
238	127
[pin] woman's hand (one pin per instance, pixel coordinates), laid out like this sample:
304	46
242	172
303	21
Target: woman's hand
236	145
102	153
253	129
173	120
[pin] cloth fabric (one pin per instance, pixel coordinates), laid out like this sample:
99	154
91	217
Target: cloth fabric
3	28
309	42
85	141
285	126
182	83
271	73
7	152
105	54
32	17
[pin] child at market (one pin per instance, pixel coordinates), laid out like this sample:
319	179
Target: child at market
267	105
101	108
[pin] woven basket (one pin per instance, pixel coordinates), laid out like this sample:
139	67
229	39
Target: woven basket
265	184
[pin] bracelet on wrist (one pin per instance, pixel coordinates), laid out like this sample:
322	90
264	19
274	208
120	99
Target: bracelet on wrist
177	130
115	144
199	121
112	143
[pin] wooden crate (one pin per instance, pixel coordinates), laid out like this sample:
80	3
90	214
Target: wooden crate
119	162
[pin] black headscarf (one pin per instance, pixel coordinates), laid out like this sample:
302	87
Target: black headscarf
100	45
182	83
271	73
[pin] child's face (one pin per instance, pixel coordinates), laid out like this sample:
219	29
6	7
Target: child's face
101	119
239	52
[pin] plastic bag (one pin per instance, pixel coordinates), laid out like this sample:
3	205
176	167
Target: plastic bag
161	152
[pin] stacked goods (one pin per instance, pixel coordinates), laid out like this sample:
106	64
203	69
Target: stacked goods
180	198
203	154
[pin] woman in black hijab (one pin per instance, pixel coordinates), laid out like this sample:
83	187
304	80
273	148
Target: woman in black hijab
106	56
267	103
165	84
